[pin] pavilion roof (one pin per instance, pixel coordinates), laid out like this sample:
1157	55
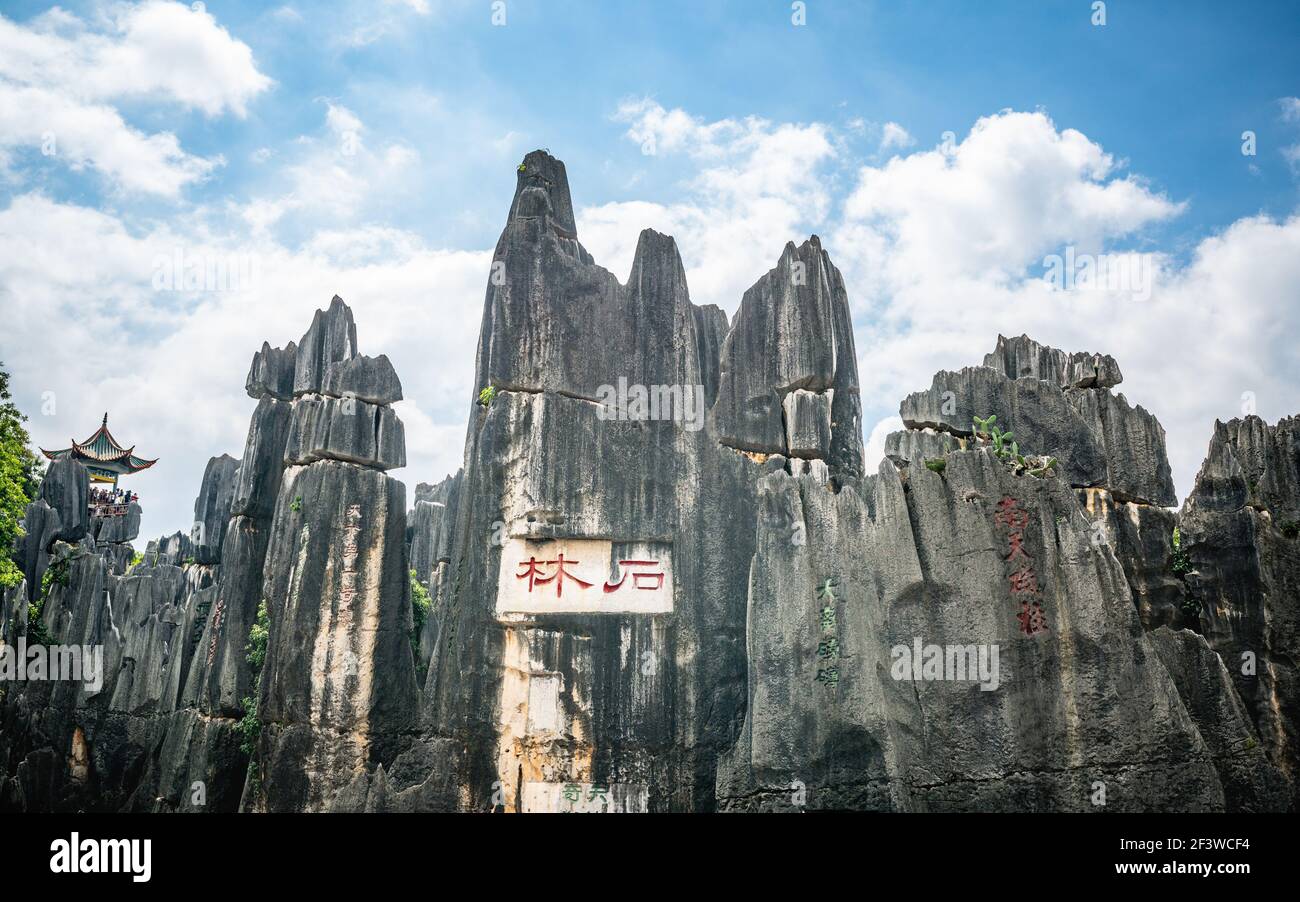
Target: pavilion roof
102	449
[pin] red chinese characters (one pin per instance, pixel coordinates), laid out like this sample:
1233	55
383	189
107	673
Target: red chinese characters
1022	580
642	576
532	568
646	575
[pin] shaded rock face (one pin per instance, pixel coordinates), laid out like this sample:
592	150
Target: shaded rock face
162	730
1250	781
1059	405
925	562
1240	527
212	508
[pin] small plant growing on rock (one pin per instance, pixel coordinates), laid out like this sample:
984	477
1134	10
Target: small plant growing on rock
982	425
486	395
249	727
1181	563
296	504
1290	528
420	604
936	465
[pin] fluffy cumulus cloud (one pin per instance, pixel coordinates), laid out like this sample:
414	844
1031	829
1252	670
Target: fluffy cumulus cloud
1019	226
60	77
179	307
942	249
754	186
946	248
169	362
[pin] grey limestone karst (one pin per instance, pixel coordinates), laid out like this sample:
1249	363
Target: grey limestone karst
750	613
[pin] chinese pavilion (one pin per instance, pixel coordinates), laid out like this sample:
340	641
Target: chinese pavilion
102	456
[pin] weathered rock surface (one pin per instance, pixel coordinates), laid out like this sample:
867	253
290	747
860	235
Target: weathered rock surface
808	423
793	332
330	342
909	446
272	372
1037	412
212	508
727	624
926	562
1137	464
1143	539
66	489
1250	781
370	379
117	530
1240	527
323	428
1020	358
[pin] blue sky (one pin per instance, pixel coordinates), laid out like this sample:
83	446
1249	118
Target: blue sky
1124	137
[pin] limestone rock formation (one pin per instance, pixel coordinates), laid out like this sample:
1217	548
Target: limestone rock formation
212	508
664	581
793	333
1241	530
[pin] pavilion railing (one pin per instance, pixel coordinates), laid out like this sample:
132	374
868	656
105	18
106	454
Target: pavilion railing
108	510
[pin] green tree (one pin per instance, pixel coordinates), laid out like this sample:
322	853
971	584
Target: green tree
20	479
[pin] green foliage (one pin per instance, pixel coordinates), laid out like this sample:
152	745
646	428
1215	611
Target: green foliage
296	504
1250	743
37	634
522	167
1007	449
1290	528
486	395
57	574
936	464
1181	563
258	635
250	725
421	602
188	562
20	480
136	558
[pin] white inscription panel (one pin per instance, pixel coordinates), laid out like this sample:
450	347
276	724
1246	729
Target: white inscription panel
585	798
584	576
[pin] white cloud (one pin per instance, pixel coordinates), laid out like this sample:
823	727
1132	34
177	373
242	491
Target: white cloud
157	50
894	136
58	78
169	367
334	175
941	254
757	187
95	136
942	251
